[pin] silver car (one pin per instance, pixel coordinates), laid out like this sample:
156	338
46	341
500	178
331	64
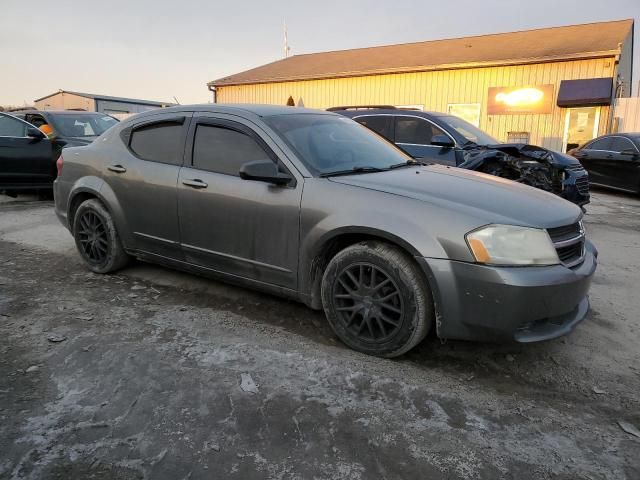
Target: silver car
312	206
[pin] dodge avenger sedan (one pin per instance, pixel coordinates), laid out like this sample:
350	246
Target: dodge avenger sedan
313	206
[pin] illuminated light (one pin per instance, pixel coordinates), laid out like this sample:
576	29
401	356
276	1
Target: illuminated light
47	130
521	97
479	250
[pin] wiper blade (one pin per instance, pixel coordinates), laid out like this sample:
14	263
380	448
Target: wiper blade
354	170
470	144
408	163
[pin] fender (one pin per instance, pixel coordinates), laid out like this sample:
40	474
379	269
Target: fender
100	189
411	237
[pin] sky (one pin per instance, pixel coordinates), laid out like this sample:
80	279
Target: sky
158	50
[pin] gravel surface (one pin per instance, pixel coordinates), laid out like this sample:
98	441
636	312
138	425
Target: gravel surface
161	375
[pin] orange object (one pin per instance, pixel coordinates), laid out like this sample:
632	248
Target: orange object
479	250
46	129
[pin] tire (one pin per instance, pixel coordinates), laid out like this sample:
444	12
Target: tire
97	239
376	299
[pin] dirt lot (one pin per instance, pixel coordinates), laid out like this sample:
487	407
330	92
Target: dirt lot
160	375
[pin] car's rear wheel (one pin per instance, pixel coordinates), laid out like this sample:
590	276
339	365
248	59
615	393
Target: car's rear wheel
97	238
376	299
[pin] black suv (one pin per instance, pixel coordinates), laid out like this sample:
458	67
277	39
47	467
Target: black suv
449	140
67	128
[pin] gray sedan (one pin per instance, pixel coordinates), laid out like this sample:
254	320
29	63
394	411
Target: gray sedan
312	206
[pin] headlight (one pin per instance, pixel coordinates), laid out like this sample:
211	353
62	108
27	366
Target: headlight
510	245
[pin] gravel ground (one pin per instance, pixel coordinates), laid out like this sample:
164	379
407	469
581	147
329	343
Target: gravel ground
160	375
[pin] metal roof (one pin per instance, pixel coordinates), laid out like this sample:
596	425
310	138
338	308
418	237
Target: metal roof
592	40
96	96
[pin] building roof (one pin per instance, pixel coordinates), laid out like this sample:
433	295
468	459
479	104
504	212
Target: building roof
530	46
96	96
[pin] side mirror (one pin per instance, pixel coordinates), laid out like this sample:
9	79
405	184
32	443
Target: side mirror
35	134
442	141
264	171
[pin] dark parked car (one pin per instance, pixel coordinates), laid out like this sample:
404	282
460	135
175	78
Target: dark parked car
449	140
25	156
312	206
68	128
612	161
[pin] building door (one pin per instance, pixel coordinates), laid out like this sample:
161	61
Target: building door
581	125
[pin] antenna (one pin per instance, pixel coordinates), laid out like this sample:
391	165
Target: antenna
177	101
287	48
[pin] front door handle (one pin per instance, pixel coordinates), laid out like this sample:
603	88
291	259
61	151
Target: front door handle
195	183
117	168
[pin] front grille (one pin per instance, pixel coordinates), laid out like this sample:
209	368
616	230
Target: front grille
569	243
560	234
571	253
582	184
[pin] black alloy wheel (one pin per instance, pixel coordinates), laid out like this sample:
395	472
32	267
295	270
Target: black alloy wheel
376	299
97	239
93	237
368	302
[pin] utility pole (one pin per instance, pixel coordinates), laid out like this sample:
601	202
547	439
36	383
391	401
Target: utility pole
287	48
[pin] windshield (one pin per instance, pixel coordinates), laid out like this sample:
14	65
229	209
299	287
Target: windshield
83	124
468	131
331	143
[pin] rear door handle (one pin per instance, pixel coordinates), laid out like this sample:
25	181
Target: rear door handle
195	183
117	168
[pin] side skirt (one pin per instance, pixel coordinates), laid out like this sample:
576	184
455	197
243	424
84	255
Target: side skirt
218	275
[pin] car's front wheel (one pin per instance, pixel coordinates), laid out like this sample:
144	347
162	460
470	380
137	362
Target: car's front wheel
97	239
376	299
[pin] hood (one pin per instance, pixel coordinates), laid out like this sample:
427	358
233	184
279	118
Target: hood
487	198
535	152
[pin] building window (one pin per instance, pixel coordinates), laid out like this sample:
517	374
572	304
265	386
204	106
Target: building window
466	111
518	137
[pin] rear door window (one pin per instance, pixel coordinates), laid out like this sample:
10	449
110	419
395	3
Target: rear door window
619	144
224	150
416	131
381	124
12	127
601	144
159	142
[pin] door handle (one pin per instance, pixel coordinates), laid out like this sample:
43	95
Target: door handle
117	168
195	183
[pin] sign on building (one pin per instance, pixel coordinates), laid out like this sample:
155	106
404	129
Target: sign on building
514	100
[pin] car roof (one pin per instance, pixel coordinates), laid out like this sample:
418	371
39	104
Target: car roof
389	111
257	109
55	112
630	135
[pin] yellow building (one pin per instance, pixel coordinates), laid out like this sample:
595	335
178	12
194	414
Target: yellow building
551	87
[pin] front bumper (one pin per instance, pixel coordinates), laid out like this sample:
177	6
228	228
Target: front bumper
575	187
522	304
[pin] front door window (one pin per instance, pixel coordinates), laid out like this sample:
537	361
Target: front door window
581	125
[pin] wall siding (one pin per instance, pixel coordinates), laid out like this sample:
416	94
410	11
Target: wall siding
66	101
435	90
627	112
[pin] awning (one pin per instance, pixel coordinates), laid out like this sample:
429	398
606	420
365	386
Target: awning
585	93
